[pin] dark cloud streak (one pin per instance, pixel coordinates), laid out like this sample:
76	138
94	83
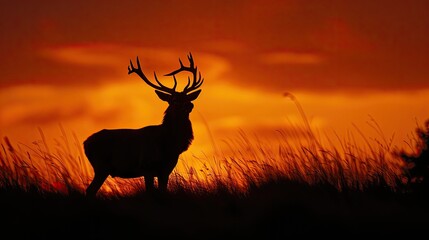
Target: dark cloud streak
367	45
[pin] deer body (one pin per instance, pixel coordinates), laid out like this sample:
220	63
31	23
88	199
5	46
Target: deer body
151	151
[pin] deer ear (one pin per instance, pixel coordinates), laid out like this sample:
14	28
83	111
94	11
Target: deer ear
163	96
194	95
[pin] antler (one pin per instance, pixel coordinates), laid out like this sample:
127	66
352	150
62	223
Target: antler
160	86
193	69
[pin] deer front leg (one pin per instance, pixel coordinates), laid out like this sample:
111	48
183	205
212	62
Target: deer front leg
162	183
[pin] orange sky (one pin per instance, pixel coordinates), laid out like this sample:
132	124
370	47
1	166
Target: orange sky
345	61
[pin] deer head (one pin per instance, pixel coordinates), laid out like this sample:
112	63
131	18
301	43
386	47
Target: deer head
178	101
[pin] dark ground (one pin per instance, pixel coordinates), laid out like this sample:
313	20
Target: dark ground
274	211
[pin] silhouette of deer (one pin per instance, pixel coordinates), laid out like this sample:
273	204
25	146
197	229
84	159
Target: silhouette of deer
151	151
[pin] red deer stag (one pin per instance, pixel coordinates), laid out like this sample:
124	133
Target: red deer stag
151	151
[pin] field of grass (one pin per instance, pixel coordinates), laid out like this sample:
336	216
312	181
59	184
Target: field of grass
301	188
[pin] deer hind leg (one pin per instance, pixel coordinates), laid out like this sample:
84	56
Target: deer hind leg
149	183
99	178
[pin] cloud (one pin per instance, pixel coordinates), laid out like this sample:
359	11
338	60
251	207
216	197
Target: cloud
98	64
41	105
284	45
88	55
286	58
223	46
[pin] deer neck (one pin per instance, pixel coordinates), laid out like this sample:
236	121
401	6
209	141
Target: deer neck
178	129
176	122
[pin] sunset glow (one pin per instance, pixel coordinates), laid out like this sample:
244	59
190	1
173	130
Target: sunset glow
64	65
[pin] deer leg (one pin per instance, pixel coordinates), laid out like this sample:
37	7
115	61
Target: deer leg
96	183
162	183
148	181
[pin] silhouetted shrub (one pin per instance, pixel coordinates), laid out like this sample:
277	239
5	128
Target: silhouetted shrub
416	167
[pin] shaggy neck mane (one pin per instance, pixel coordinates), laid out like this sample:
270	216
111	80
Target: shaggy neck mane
179	129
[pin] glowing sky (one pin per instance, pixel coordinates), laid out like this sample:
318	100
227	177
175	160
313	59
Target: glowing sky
65	62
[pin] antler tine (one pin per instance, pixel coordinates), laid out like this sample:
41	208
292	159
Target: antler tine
192	69
157	81
196	83
175	83
139	72
200	81
191	60
189	82
162	85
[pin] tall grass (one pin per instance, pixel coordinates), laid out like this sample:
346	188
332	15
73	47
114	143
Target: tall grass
246	161
298	155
